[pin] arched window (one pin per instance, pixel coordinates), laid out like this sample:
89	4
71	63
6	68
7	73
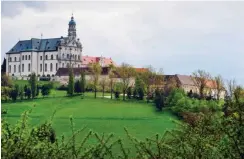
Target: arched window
29	57
51	67
29	67
23	67
63	65
14	68
15	59
40	67
45	67
19	68
40	57
56	66
10	59
25	57
46	57
75	57
67	56
51	57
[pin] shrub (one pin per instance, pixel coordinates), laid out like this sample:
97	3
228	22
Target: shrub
129	92
62	87
140	93
45	90
159	99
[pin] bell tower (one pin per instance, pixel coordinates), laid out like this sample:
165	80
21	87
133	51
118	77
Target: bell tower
72	28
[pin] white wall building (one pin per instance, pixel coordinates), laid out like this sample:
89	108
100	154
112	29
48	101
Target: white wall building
44	56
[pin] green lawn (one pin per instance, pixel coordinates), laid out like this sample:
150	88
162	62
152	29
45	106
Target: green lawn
100	115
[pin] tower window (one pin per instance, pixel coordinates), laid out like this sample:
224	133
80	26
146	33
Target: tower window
40	57
25	57
29	57
14	68
46	57
15	59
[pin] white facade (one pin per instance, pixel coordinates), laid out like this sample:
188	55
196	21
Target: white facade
44	56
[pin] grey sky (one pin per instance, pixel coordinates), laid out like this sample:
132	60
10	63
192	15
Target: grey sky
179	37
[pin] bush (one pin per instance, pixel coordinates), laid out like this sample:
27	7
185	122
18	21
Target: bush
62	87
45	90
140	93
159	99
129	92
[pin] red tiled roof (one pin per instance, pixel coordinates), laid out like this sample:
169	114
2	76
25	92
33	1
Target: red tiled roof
86	60
141	70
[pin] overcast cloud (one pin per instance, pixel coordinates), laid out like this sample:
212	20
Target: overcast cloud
179	37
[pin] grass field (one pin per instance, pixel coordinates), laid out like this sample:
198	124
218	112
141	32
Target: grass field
100	115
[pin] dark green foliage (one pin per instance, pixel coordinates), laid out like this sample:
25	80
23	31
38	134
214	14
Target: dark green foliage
33	84
37	91
62	88
83	82
116	94
129	92
77	87
70	90
28	93
21	93
25	91
14	94
159	99
135	93
45	90
3	67
140	93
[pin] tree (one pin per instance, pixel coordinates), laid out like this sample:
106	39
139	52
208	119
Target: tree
231	86
83	82
14	92
159	99
45	90
77	87
28	93
129	92
126	72
70	90
21	93
96	71
219	85
148	78
25	91
200	77
6	81
111	76
103	83
139	88
33	85
3	66
37	90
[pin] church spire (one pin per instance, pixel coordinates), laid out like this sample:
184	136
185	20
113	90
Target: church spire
72	28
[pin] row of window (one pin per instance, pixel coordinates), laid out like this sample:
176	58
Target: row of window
45	68
51	67
23	68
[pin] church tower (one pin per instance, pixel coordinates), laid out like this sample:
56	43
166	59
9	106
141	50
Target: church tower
72	29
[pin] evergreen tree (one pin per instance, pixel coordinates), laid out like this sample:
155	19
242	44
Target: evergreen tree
70	90
28	93
140	93
3	67
25	91
83	82
21	93
159	99
45	90
33	85
77	87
